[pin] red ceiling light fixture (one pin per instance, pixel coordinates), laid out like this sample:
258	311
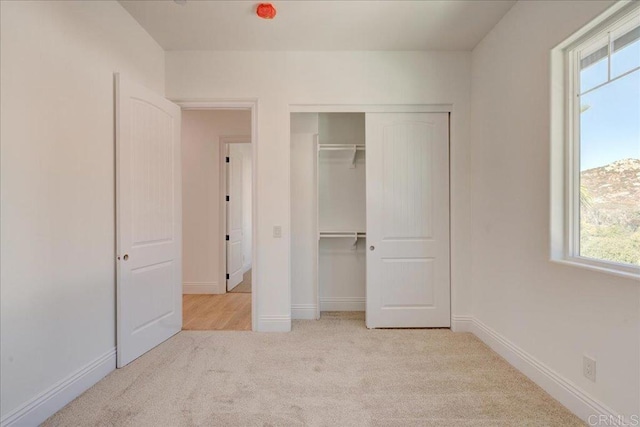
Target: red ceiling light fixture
266	11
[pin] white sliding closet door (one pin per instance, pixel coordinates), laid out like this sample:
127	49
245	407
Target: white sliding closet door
408	281
149	220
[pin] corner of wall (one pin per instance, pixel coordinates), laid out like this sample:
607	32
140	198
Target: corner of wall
274	323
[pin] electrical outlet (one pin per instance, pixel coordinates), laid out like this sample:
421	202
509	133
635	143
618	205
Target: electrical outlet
589	368
277	231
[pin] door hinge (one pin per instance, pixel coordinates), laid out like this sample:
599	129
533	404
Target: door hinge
227	237
227	198
227	277
226	159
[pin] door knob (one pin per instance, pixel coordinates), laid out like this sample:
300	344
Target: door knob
372	248
125	257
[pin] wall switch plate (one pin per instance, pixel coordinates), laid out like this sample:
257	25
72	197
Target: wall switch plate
589	368
277	231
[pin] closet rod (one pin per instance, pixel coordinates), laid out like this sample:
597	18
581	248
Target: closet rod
322	235
343	234
341	146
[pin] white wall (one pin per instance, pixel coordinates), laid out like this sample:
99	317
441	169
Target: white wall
278	79
201	132
304	215
554	313
58	234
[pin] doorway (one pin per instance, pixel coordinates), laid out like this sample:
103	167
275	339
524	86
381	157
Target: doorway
151	186
218	218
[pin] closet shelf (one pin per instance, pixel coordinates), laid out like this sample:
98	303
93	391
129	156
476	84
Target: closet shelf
341	233
353	148
355	235
322	147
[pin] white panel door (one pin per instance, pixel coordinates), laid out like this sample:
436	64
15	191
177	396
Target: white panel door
149	220
235	252
407	220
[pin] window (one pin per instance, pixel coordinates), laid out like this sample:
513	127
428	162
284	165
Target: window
601	145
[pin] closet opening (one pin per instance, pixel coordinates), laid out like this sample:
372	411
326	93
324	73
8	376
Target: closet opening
370	215
328	220
217	200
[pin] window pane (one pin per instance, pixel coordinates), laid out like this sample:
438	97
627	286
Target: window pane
626	47
610	172
593	75
625	59
594	64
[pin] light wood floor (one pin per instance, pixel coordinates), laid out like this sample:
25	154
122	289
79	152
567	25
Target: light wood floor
228	312
245	285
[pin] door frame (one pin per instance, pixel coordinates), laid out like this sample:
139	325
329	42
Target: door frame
246	105
223	141
377	108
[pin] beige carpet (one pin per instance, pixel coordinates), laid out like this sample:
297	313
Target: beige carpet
243	287
332	372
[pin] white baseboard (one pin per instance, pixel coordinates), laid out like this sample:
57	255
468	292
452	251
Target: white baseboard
461	323
201	288
50	401
560	388
274	323
303	311
343	304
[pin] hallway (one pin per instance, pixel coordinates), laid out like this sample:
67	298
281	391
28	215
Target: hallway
226	312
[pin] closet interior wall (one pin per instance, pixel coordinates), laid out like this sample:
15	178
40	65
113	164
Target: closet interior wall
328	217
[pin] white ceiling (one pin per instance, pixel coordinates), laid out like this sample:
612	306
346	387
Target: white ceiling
319	25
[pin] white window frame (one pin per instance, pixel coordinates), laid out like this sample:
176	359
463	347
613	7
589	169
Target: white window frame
565	143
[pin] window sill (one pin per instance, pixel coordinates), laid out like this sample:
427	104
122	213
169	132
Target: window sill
595	266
